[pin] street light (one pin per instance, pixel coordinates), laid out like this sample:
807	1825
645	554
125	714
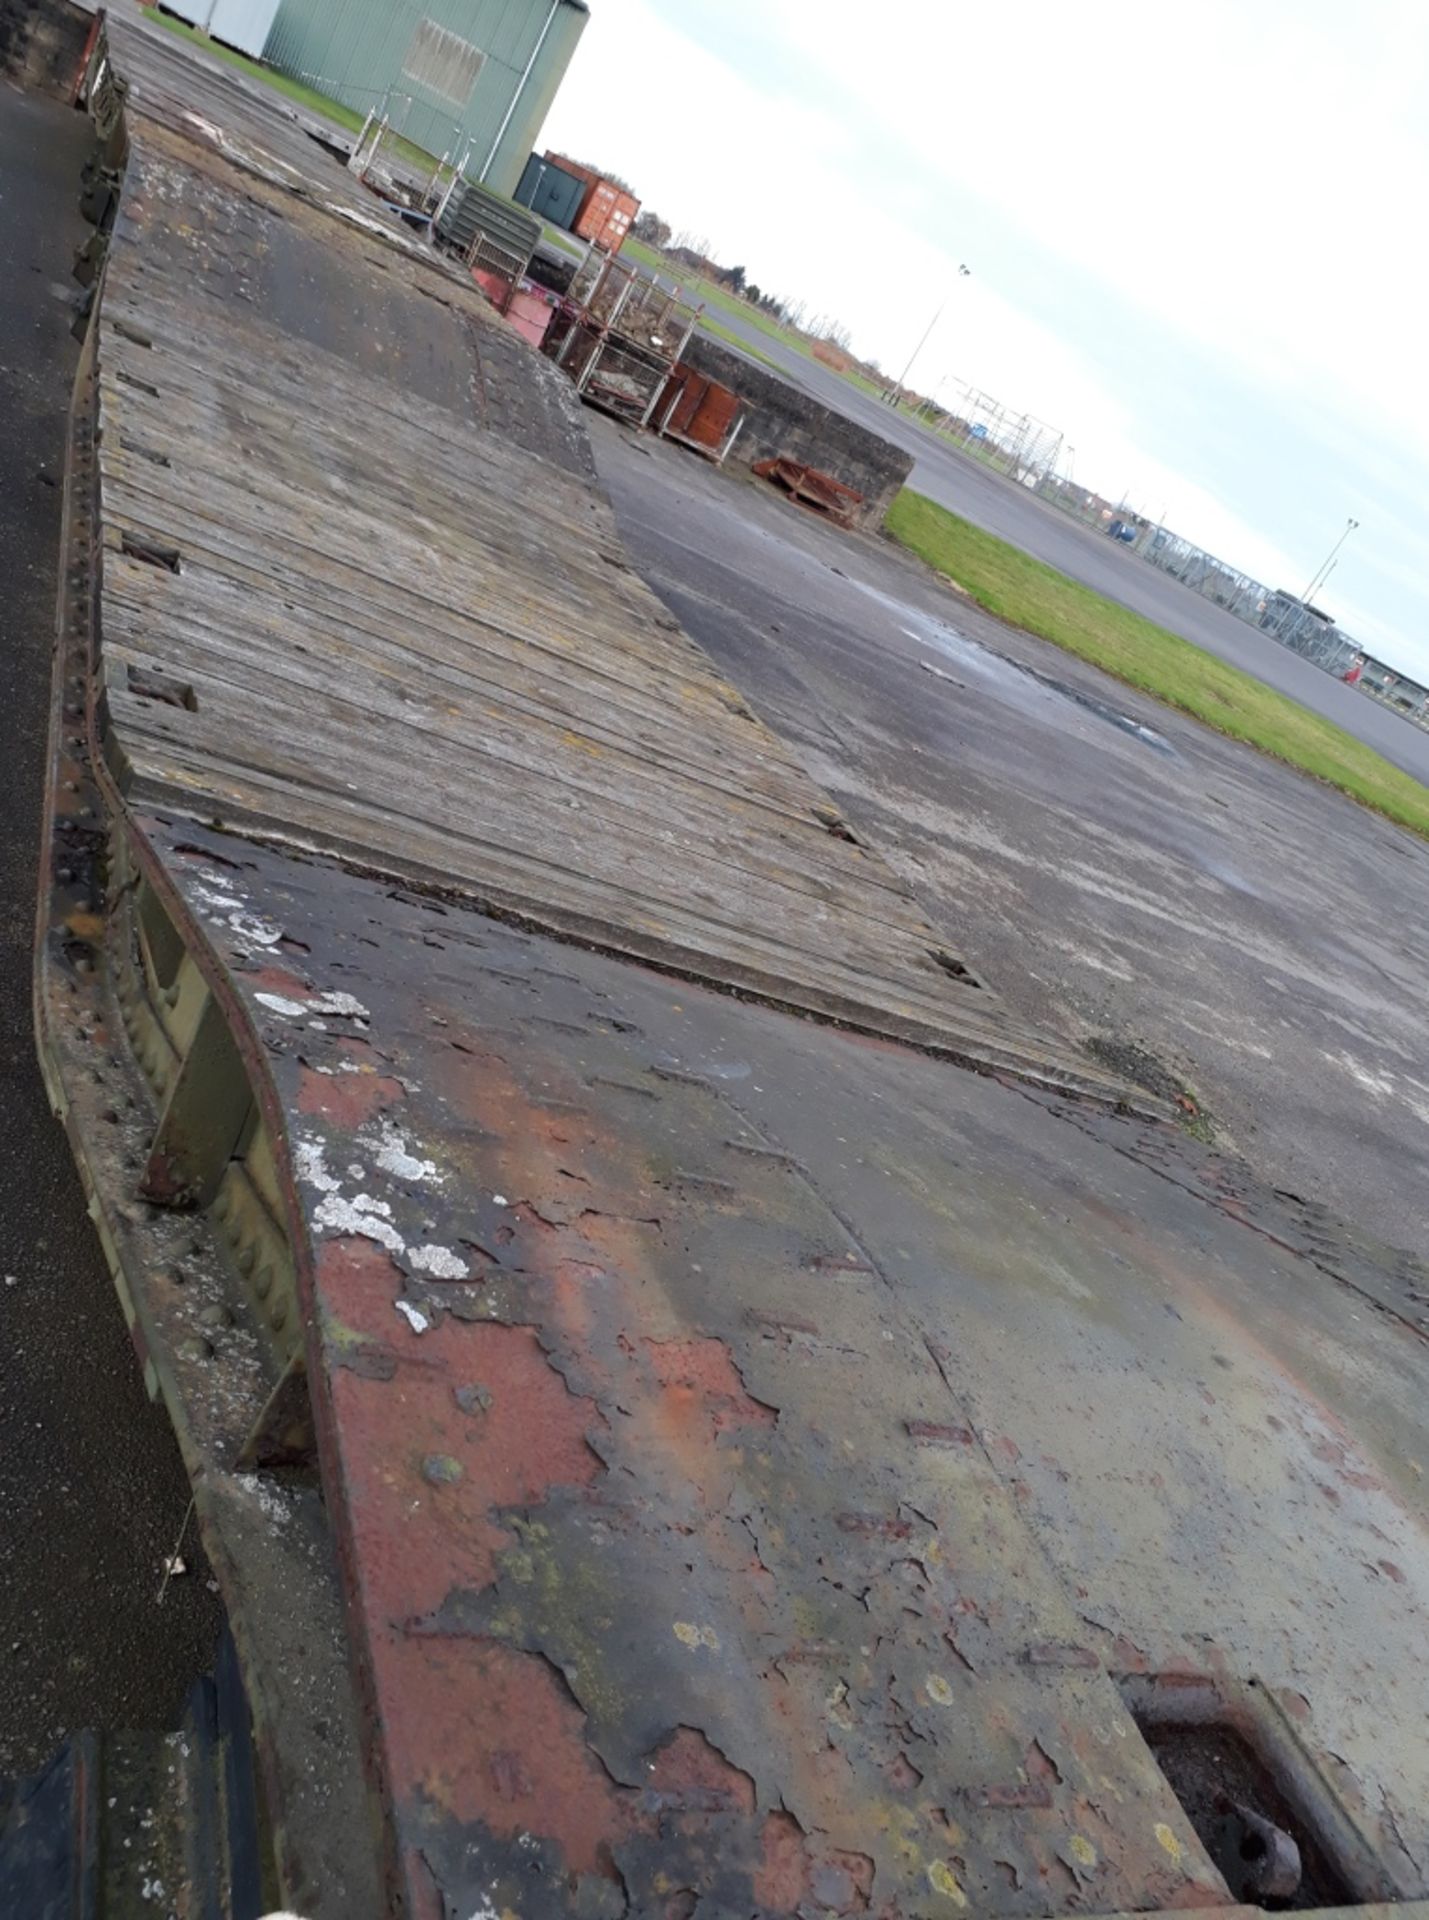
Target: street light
895	393
1322	573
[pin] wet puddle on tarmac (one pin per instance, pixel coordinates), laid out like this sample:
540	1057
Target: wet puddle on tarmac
1020	685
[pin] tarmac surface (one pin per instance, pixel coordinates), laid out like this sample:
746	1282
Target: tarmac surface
1193	910
997	504
91	1485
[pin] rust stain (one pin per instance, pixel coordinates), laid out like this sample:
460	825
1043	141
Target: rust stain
347	1099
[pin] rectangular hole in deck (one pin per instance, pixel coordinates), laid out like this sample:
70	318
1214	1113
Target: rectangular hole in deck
149	685
1264	1841
152	552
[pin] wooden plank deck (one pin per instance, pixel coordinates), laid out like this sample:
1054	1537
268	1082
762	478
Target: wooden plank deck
397	622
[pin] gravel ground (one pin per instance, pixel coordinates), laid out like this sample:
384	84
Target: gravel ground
92	1490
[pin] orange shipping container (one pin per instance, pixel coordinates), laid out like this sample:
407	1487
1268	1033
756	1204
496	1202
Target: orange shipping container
607	213
607	216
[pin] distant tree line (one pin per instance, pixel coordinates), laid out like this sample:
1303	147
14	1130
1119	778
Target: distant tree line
692	251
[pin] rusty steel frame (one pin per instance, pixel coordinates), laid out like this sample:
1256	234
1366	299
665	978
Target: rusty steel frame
106	1061
820	492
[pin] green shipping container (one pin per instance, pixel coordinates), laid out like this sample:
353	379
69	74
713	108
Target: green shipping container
449	71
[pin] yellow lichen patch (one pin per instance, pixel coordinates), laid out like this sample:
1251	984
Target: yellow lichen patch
942	1879
937	1689
1168	1840
1082	1850
693	1636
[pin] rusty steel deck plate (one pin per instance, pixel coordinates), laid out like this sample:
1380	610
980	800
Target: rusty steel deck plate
758	1455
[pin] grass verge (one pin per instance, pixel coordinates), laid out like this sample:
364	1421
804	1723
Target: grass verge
303	96
732	339
1044	602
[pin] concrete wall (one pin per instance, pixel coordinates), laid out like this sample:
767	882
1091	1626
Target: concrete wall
781	419
42	43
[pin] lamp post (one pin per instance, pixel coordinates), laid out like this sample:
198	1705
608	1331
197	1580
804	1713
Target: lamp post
894	395
1322	573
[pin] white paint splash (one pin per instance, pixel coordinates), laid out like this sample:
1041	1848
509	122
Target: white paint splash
440	1262
275	1003
392	1152
265	1492
345	1004
361	1215
367	1215
310	1162
414	1316
340	1005
250	930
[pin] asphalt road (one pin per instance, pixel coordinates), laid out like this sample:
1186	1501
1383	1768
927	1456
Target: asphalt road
92	1490
1116	871
991	501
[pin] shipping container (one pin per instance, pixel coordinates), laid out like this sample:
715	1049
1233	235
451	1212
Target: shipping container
607	217
551	192
608	211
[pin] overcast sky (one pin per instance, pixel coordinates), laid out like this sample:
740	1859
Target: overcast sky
1197	235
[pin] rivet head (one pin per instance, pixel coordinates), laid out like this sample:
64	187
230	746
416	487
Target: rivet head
278	1313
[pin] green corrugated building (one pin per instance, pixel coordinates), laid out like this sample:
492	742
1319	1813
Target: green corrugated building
486	70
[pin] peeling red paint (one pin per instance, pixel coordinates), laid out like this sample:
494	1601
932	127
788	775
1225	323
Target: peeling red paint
783	1871
688	1775
701	1384
492	1735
